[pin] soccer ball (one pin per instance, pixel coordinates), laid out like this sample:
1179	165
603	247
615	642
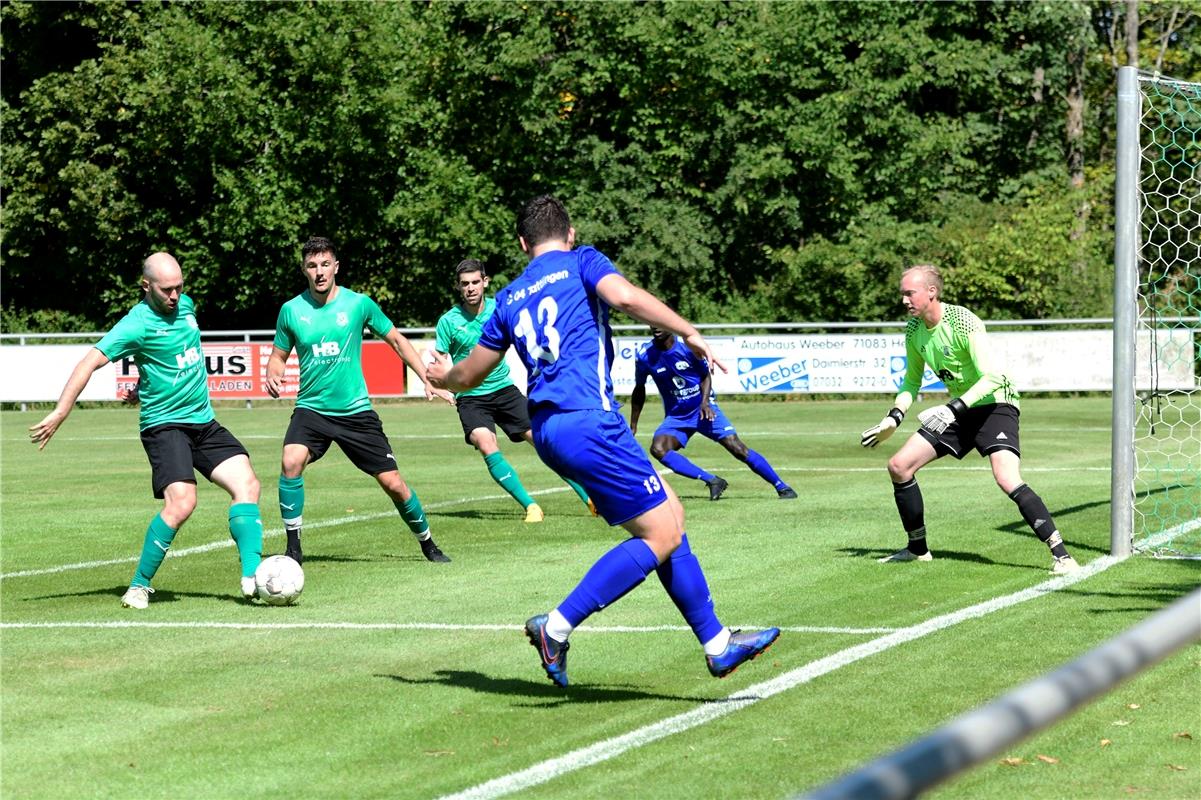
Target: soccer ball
279	580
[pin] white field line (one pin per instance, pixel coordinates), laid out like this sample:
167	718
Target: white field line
609	748
404	626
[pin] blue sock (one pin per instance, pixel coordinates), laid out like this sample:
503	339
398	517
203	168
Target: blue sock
761	468
684	581
682	466
615	573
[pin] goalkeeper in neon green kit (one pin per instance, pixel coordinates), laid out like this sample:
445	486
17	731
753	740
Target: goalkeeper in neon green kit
983	414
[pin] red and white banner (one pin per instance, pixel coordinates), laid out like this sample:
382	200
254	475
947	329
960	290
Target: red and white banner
236	371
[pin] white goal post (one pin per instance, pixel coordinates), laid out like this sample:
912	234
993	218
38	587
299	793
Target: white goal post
1156	471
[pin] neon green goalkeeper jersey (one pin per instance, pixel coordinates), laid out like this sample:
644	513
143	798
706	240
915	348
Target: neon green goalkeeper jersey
329	343
457	335
173	384
957	350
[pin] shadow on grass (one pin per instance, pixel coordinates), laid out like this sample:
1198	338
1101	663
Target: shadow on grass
518	687
1155	595
473	513
159	595
875	553
1020	528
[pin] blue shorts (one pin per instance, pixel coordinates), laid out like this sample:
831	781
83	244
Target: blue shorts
716	429
597	450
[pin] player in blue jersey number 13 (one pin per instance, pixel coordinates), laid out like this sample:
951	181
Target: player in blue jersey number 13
556	316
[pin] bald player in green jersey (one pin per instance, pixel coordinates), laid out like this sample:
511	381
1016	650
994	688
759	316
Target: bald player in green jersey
983	414
178	431
496	401
325	325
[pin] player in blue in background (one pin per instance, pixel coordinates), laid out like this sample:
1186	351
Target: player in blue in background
556	315
690	406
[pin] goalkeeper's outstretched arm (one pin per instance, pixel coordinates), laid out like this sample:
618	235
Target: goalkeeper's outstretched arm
915	365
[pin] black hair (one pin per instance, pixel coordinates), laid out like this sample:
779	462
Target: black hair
318	244
542	219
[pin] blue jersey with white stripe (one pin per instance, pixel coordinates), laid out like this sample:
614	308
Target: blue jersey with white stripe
559	326
678	373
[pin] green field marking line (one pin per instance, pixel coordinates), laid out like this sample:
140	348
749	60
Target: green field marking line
609	748
404	626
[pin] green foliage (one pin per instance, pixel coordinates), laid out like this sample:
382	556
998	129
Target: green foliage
723	153
13	320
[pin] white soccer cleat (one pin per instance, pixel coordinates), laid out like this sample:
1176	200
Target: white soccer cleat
248	589
533	513
1062	565
136	597
906	555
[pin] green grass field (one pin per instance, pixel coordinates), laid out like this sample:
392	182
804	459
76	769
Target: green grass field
398	678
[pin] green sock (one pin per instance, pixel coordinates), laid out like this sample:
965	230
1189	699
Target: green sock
154	550
291	500
580	492
506	476
246	529
413	515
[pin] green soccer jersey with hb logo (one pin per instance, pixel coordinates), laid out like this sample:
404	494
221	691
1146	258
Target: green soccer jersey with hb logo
329	343
957	350
457	335
173	384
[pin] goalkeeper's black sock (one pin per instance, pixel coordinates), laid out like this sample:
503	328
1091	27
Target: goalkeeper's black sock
913	514
917	542
1035	512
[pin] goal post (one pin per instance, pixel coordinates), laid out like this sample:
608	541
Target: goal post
1156	450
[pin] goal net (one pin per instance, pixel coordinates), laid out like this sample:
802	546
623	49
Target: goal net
1166	425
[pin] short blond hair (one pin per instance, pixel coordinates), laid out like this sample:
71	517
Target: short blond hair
930	273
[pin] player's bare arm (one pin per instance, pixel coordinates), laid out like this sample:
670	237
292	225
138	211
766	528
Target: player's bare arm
275	371
408	354
41	433
468	373
645	307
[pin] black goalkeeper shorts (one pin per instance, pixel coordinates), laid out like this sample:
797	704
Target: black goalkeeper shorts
986	428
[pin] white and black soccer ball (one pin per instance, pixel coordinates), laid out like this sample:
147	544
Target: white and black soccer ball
279	580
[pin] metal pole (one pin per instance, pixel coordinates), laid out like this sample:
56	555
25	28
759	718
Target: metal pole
983	733
1125	312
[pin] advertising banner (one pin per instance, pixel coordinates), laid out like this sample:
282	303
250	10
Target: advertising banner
1076	360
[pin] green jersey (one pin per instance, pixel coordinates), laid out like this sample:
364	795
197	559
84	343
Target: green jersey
457	334
957	350
329	342
173	384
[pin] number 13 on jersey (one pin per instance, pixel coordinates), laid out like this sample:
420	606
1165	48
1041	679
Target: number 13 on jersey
548	312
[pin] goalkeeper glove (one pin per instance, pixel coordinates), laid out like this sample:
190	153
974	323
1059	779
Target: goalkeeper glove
873	436
938	419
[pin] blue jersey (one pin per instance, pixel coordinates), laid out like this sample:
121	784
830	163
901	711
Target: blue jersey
678	373
559	326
